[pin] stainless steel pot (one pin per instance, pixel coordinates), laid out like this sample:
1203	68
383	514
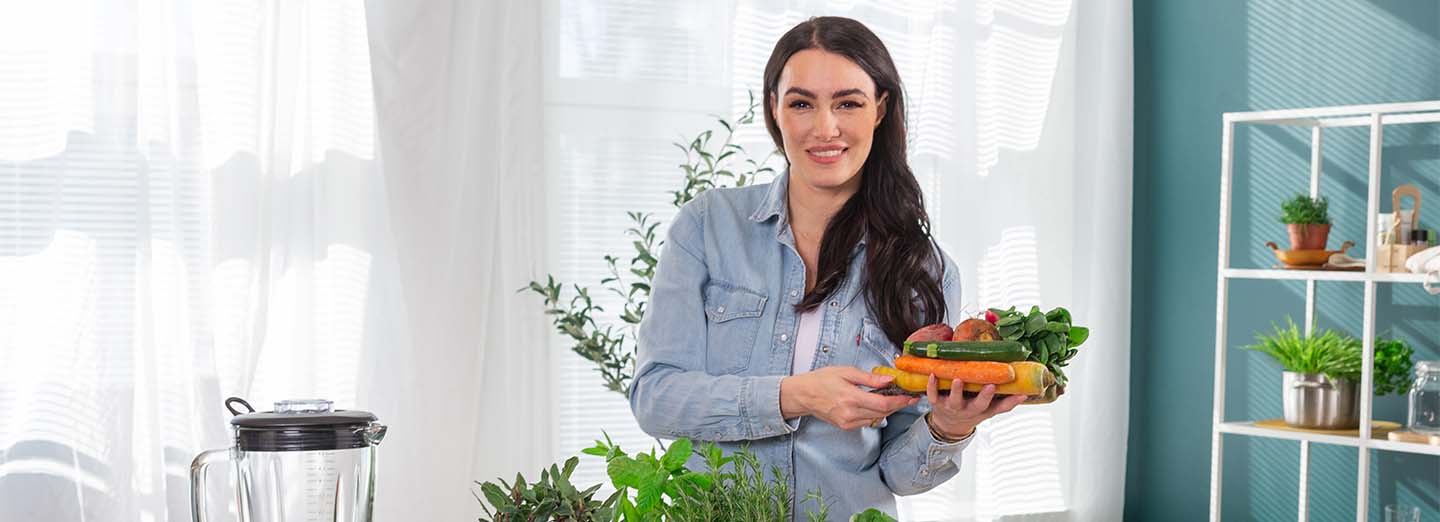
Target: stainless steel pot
1315	401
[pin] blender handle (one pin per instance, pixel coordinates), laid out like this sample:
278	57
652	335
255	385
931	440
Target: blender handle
197	480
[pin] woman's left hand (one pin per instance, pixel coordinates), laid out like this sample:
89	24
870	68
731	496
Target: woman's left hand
955	416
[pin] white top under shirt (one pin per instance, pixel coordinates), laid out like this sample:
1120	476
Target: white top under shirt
807	340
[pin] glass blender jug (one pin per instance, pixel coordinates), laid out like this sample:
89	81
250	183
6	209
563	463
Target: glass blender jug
302	462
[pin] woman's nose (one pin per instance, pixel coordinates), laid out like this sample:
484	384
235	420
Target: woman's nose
827	126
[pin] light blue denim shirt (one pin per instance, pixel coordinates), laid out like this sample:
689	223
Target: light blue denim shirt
719	335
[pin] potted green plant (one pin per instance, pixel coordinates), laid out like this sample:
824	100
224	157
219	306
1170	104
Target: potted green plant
1322	372
1307	220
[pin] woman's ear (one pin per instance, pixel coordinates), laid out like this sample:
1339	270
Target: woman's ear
774	108
881	105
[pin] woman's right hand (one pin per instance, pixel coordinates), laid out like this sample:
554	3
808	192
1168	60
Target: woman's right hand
831	395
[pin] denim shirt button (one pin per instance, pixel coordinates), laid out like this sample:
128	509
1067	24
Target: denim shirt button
794	293
720	310
825	349
784	337
834	304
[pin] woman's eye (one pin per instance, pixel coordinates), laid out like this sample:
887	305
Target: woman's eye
799	105
851	105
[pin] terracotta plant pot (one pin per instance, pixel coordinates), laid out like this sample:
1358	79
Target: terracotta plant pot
1308	237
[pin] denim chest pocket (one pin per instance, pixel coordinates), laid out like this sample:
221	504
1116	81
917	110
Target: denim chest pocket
875	348
733	318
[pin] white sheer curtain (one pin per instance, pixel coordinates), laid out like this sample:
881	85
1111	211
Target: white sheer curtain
1035	206
459	90
190	208
1020	130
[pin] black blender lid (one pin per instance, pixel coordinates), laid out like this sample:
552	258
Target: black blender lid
298	413
302	425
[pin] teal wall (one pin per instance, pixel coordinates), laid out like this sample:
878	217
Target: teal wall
1194	60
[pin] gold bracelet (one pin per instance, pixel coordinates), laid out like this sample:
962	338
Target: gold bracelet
940	436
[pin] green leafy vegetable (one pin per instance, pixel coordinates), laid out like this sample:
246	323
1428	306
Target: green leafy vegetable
1050	336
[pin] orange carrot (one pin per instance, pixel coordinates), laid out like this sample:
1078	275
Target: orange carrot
979	372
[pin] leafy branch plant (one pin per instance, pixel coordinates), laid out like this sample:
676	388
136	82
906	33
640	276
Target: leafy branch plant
711	160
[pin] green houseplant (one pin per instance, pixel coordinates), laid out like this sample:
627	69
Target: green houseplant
651	487
1321	372
1307	220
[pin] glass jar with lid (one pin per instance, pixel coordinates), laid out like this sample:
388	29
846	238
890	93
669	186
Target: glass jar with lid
1425	398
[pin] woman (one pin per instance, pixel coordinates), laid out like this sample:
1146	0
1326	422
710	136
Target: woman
771	302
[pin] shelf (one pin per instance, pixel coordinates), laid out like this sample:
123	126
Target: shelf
1405	447
1318	120
1380	443
1249	428
1322	275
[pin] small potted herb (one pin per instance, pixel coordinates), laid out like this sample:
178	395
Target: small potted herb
1307	220
1322	372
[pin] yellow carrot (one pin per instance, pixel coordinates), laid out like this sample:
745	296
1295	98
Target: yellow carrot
1031	379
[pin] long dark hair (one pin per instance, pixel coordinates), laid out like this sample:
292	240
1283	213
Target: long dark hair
901	265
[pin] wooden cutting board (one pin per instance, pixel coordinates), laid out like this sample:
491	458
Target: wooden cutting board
1414	437
1378	428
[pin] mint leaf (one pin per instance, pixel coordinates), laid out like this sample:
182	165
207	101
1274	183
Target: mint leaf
871	515
625	471
676	455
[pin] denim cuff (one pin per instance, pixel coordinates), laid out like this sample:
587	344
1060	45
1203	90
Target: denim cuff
760	407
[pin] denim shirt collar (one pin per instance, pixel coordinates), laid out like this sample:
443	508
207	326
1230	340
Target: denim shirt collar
774	204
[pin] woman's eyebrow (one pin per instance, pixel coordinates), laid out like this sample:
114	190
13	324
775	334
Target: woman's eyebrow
837	94
802	92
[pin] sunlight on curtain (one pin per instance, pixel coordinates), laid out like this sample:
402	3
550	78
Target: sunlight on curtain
45	76
171	210
1016	53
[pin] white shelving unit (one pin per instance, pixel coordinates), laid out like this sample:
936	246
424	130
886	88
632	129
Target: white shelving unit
1376	117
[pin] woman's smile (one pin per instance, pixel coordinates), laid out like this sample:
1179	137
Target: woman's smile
827	154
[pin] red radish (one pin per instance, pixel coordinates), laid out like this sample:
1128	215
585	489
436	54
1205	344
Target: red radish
934	332
990	316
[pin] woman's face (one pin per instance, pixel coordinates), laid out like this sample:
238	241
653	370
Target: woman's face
827	110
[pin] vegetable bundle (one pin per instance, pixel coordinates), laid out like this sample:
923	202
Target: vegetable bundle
1019	353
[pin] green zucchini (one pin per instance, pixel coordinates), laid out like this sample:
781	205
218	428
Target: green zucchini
1001	351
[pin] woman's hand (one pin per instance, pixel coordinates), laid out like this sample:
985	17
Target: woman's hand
955	417
830	394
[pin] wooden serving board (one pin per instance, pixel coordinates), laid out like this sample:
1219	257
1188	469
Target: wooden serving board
1377	428
1327	267
1414	437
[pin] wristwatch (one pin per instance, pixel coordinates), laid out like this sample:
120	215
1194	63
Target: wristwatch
941	437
